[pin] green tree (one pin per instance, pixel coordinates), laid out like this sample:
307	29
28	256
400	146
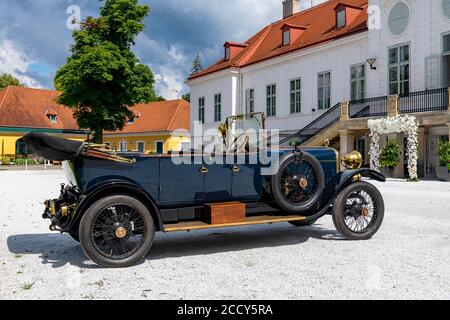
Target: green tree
196	65
7	79
102	77
186	97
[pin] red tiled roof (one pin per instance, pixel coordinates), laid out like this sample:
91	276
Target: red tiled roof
159	116
320	21
29	108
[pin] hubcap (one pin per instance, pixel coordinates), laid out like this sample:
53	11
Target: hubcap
121	232
303	183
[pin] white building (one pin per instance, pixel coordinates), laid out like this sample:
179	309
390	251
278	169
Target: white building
315	58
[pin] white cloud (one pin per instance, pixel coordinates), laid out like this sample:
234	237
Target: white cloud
169	82
16	62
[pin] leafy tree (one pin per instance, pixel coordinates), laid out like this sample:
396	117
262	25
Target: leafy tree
186	97
103	77
196	65
444	154
389	157
7	79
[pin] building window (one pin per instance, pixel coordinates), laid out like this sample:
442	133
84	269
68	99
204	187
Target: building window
123	146
296	96
358	82
201	110
340	19
249	101
271	100
185	146
131	121
446	44
399	70
53	118
286	37
217	107
227	53
140	146
324	90
159	147
446	7
399	18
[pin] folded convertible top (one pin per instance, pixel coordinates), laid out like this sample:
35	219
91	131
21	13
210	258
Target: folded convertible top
53	148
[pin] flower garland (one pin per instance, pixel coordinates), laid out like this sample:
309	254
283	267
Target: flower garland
404	123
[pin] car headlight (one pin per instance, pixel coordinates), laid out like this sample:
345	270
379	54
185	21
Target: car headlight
352	160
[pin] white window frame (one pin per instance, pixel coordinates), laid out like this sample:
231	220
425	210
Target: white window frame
399	65
325	98
360	90
249	100
341	14
286	37
201	110
295	96
156	146
137	146
218	107
53	118
271	100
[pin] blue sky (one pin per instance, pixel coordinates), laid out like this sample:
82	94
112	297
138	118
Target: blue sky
35	41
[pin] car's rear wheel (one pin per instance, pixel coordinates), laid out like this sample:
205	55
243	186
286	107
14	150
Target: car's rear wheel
299	182
358	211
117	231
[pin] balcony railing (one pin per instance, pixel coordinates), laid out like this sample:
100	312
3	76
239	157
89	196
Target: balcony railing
370	107
424	101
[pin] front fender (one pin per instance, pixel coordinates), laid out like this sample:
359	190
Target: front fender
117	186
342	180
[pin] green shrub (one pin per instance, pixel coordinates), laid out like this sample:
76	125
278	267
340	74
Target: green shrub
444	154
389	157
21	162
6	161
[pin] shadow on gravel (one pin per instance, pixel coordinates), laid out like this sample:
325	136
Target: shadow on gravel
60	250
175	245
54	249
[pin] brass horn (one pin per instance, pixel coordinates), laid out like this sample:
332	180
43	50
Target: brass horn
352	160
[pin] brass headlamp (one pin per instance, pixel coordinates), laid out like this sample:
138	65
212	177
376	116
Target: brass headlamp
352	160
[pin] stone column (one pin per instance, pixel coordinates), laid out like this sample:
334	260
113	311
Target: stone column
344	111
346	141
393	109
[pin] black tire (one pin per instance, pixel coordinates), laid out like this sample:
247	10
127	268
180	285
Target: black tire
358	211
303	223
110	216
285	185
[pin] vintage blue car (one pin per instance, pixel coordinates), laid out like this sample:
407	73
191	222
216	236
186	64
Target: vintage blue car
114	203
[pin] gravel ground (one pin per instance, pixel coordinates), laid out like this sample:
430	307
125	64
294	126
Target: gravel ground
409	258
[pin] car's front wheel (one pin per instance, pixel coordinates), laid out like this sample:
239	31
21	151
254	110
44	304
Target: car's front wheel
358	211
117	231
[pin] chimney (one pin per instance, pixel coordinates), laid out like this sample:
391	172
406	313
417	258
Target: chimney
291	7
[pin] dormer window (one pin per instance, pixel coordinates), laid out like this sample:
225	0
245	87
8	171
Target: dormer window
132	120
340	18
232	49
52	115
286	37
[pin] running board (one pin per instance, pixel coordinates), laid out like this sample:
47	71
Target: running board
199	225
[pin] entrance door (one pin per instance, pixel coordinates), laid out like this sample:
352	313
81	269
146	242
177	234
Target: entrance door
159	147
123	146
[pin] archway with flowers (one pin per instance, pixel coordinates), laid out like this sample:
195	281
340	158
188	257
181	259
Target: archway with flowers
398	124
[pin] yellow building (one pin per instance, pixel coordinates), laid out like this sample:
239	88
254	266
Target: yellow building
157	127
154	129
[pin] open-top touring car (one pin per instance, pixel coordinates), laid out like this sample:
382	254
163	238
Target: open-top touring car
114	203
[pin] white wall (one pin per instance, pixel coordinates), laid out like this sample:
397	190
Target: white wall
424	34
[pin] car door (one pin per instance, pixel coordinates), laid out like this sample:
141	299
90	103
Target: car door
181	184
218	178
246	182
